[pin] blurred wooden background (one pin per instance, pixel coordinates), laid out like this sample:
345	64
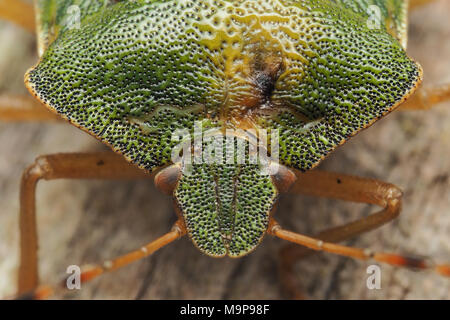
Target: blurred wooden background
90	221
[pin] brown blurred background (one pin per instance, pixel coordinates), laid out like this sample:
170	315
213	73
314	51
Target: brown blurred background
90	221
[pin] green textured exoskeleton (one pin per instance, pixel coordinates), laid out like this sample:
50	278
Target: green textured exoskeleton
313	72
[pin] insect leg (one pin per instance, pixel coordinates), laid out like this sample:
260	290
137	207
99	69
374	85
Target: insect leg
19	12
91	272
362	254
104	165
344	187
416	3
427	97
23	108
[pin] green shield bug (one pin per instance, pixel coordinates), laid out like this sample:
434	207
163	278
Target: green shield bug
292	80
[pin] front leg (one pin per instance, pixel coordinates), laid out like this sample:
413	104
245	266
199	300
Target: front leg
91	272
24	108
104	165
343	187
427	97
19	12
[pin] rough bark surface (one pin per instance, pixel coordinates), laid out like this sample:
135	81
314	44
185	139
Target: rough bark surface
90	221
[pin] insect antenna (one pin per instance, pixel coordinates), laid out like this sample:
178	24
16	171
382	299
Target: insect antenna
362	254
91	272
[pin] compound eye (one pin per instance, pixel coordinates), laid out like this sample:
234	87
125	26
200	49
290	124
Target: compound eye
283	177
167	179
